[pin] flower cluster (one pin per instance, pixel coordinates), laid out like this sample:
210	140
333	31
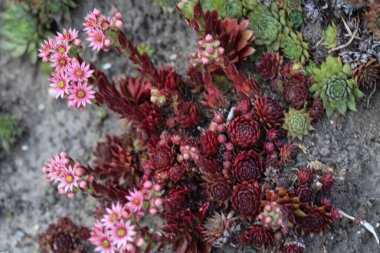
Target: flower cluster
96	26
216	174
118	229
70	78
69	176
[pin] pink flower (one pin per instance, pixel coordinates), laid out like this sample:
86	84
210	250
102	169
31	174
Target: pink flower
96	39
103	243
61	47
79	72
60	83
54	166
80	95
60	61
91	20
104	23
114	214
68	179
136	200
46	49
67	36
122	233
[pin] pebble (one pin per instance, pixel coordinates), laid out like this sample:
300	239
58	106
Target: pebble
24	147
324	151
107	66
173	57
41	107
20	234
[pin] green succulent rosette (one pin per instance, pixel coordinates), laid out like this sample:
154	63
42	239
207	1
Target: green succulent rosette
295	20
9	131
297	123
331	36
267	24
294	47
334	85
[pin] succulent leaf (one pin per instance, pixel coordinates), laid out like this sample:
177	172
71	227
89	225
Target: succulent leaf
9	131
331	36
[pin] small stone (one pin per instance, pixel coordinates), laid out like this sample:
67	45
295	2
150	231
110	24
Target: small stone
324	151
24	147
20	234
107	66
173	57
41	107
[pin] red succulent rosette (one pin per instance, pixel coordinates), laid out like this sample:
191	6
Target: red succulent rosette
269	111
178	198
294	247
327	180
316	221
258	236
209	143
244	131
247	166
217	188
296	91
162	157
306	193
316	110
246	199
186	114
270	65
177	173
305	176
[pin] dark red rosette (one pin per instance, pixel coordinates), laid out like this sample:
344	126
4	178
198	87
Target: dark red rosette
306	193
216	187
247	166
305	176
244	131
327	180
258	236
186	114
162	158
178	198
269	111
209	143
270	65
296	91
246	199
316	110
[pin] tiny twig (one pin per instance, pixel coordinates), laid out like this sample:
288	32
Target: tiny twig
364	223
320	41
370	95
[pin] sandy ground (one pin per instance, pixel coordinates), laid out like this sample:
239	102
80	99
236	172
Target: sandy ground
28	203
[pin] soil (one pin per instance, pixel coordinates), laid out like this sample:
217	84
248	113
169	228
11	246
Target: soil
28	203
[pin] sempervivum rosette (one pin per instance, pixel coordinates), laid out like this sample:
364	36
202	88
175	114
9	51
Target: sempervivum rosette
296	91
269	111
177	198
334	85
297	123
247	166
244	131
246	199
209	143
316	221
258	236
217	188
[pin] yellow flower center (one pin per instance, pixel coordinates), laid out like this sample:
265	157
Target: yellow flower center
69	179
81	94
136	201
79	73
121	232
106	243
98	38
113	217
62	62
61	49
61	84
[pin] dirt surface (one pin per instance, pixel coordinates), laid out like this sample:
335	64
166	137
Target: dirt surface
28	203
